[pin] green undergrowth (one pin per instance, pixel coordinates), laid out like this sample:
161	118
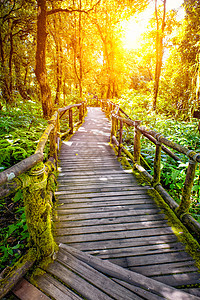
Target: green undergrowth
20	130
182	132
13	230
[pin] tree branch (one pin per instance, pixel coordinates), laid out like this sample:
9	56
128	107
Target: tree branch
71	10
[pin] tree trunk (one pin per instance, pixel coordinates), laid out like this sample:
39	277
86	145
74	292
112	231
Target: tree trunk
80	53
40	69
59	55
159	50
4	74
20	84
10	67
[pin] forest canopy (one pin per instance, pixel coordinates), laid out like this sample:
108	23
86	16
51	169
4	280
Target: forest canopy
61	51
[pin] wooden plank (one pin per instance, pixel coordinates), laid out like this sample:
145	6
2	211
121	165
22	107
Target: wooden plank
111	228
111	208
96	215
55	289
96	278
167	268
86	165
82	173
97	180
72	203
101	186
128	276
143	293
99	189
84	197
110	236
130	251
77	283
179	280
115	220
24	289
80	181
122	243
193	291
63	195
136	191
134	261
91	177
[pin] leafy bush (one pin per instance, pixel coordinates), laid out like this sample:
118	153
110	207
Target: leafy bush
13	230
20	130
173	174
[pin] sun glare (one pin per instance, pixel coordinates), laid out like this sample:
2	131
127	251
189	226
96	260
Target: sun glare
134	28
132	33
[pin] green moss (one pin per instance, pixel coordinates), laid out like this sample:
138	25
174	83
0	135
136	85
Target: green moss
183	235
30	257
38	208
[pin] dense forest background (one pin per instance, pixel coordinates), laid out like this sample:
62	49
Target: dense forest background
55	53
58	51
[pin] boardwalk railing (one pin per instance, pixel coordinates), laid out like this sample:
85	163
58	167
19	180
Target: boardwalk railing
119	118
37	180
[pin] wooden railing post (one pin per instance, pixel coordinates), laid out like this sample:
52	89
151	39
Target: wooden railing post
116	126
112	128
58	134
157	164
53	143
186	194
38	209
81	112
120	138
70	121
137	143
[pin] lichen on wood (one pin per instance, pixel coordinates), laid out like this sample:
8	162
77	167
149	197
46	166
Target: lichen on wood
186	195
38	208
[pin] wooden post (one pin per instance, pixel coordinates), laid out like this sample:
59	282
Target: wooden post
112	128
157	164
116	126
53	143
137	143
120	139
38	208
58	133
186	195
83	108
80	113
70	121
110	108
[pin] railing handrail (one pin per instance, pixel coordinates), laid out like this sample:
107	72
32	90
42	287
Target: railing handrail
29	162
182	210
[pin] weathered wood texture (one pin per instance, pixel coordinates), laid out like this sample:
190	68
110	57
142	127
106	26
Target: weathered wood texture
103	211
78	275
25	290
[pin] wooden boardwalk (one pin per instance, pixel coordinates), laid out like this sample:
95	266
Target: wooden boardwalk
105	213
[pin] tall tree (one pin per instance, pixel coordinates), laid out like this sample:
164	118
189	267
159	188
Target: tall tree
160	27
16	25
40	68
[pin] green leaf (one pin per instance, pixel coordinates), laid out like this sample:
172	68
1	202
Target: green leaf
196	188
18	196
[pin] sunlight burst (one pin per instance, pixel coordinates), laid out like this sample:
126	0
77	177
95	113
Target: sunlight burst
135	27
132	33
